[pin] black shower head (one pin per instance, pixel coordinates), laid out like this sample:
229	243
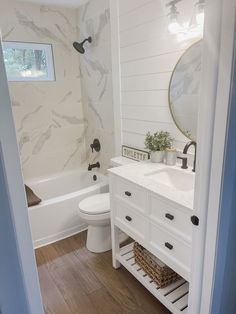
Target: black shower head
80	46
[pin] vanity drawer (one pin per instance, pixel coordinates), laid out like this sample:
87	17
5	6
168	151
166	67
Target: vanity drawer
168	247
131	194
131	222
169	215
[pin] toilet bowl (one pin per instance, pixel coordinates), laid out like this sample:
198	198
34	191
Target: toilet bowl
95	212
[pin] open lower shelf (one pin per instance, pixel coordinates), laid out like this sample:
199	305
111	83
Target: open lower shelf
174	296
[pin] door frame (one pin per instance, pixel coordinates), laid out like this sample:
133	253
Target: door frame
20	282
220	21
218	51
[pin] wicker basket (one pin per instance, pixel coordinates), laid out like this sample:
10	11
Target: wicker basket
161	274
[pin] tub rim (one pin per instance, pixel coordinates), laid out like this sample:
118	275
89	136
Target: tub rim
64	197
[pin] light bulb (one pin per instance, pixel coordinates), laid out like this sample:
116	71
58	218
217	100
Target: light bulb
174	27
200	12
200	18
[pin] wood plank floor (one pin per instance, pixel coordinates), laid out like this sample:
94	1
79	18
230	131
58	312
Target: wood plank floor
76	281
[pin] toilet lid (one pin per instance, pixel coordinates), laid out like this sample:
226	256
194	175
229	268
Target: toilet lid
95	204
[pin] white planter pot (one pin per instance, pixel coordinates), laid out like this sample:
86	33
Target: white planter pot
157	156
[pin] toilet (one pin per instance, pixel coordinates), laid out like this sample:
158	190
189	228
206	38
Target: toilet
95	211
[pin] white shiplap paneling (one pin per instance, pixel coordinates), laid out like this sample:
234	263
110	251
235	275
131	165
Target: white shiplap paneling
142	127
152	48
148	82
147	113
126	7
142	14
150	65
148	98
148	55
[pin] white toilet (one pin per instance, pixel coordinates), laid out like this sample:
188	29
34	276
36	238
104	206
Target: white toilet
95	211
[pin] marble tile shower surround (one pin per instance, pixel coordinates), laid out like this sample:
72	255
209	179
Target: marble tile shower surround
49	118
95	69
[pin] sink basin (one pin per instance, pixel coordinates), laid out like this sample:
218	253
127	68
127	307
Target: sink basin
174	178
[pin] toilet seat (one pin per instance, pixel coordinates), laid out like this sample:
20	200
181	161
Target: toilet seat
96	204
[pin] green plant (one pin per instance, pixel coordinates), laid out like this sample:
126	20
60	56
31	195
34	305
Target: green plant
159	141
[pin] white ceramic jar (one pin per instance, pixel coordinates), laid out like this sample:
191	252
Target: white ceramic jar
157	156
171	156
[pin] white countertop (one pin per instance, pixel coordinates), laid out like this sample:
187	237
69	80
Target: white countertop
136	173
120	160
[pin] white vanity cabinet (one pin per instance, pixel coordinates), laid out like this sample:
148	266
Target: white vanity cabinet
160	225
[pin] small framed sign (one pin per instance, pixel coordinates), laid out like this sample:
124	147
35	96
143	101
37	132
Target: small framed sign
134	153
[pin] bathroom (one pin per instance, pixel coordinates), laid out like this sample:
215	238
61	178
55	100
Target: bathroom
112	72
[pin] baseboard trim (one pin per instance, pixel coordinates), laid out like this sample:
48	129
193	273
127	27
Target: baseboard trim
59	236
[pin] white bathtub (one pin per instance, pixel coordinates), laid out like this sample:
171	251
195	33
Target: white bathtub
56	216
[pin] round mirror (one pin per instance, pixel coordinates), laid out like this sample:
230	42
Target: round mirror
184	91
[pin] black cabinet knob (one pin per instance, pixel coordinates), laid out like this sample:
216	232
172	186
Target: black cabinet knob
169	216
128	218
127	193
169	246
195	220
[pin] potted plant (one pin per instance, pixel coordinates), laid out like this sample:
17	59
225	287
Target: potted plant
157	144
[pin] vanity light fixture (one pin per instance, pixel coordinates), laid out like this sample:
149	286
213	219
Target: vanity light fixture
174	26
193	27
200	12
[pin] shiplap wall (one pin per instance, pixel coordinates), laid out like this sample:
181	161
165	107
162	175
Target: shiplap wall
148	55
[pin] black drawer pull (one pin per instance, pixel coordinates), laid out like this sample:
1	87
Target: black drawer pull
127	193
169	216
195	220
169	246
128	218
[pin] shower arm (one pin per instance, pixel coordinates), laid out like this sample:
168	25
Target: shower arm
84	41
89	39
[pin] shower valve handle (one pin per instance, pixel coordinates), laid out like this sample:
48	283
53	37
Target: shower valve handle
95	145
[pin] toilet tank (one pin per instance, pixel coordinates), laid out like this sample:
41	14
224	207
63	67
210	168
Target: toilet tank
120	161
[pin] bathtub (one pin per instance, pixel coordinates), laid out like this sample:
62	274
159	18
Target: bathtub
56	217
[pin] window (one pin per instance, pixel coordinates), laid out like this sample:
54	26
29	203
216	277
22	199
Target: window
28	61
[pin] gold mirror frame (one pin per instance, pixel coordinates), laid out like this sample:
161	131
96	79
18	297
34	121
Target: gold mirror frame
169	100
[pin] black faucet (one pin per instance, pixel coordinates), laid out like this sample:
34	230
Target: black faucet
96	165
195	153
184	162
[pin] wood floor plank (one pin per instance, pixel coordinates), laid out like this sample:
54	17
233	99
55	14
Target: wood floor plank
82	273
53	301
105	303
76	281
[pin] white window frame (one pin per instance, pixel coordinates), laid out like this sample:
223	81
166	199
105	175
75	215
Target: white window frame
33	46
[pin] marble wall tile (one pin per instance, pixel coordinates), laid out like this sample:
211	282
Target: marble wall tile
96	80
49	118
